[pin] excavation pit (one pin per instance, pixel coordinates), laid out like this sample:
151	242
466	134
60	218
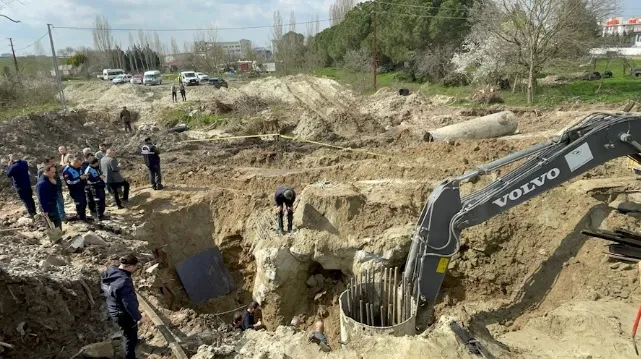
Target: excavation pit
370	306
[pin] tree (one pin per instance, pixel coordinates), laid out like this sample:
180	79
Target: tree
175	50
338	9
77	59
103	40
38	50
540	30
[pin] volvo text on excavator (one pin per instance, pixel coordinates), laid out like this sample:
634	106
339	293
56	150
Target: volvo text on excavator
594	140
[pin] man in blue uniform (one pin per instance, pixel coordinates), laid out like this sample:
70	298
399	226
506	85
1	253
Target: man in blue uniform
151	154
122	304
96	189
18	171
75	181
284	201
47	191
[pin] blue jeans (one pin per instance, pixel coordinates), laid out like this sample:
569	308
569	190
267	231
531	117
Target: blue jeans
60	205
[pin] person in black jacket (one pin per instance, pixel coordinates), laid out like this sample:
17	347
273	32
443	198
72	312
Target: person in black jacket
122	304
18	171
47	191
249	320
284	198
151	154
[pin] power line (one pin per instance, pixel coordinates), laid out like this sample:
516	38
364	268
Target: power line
209	29
33	43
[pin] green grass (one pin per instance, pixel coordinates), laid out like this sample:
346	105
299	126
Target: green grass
172	116
9	113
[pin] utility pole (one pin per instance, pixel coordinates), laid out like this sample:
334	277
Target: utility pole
374	46
15	61
56	69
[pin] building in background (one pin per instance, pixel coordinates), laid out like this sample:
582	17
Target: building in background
5	55
619	26
236	49
264	54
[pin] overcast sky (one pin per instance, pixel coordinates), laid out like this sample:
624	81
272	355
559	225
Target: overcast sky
163	14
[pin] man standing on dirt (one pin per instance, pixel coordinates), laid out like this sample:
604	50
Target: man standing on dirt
113	178
96	189
183	93
47	191
101	151
150	153
125	117
249	321
18	171
65	157
60	201
284	201
174	97
76	184
122	304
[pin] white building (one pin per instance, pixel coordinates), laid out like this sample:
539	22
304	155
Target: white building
620	26
237	49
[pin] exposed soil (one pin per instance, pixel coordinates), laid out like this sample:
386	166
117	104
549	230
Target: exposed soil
527	282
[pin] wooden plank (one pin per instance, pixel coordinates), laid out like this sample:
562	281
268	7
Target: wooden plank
172	340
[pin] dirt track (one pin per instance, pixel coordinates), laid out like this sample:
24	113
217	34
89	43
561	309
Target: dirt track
528	284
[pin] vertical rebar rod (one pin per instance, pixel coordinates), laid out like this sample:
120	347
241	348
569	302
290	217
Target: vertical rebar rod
389	315
384	292
395	308
371	313
361	311
401	312
367	313
382	317
349	301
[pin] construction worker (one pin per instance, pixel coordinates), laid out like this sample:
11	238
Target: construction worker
109	167
101	151
47	191
174	97
60	201
150	153
284	201
18	171
318	336
96	189
249	321
122	304
76	182
183	93
125	117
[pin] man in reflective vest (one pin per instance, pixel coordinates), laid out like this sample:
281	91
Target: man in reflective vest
75	181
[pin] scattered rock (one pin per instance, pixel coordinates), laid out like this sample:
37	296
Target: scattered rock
24	221
77	244
625	206
52	261
626	266
98	350
152	269
211	351
615	265
91	238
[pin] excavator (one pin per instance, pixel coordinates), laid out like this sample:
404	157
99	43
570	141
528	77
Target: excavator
592	141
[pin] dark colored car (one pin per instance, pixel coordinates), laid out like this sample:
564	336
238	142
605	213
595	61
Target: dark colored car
218	83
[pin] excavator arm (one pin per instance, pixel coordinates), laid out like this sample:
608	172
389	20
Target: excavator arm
595	140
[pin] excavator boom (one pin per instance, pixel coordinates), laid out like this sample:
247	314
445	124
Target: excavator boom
593	141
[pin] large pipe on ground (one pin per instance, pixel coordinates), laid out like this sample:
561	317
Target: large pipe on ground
490	126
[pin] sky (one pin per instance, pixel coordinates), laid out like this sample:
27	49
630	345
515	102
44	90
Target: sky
162	15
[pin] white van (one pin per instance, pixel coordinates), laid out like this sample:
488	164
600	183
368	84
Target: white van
110	74
152	78
189	78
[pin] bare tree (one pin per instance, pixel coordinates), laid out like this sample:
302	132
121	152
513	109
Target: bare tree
175	50
38	49
103	40
277	34
541	30
292	21
339	9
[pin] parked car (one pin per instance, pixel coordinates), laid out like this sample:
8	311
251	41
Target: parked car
152	78
110	74
189	78
121	79
218	83
136	79
202	77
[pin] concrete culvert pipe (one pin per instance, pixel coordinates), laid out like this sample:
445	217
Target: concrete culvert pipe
490	126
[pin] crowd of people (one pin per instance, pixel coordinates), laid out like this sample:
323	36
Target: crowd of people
87	176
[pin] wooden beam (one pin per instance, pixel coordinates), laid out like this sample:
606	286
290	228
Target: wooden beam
172	340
